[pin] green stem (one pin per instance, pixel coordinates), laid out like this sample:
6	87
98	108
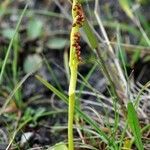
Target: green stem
72	88
78	18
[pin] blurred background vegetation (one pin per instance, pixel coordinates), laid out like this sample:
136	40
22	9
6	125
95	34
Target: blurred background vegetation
34	39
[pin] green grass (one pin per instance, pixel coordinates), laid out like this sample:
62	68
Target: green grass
134	125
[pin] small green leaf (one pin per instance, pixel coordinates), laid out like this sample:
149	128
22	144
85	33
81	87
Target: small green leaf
34	28
32	63
59	146
135	126
9	33
38	113
125	5
57	43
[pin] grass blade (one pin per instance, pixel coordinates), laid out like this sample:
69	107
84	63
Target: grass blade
125	5
135	126
11	43
14	92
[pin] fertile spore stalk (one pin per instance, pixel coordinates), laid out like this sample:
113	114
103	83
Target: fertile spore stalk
75	59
